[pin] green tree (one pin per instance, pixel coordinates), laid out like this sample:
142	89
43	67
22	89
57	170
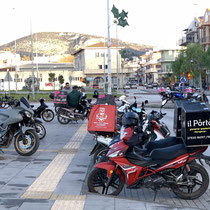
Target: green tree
60	79
194	60
52	78
179	65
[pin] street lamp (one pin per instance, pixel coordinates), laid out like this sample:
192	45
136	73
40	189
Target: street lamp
15	61
117	62
32	59
109	52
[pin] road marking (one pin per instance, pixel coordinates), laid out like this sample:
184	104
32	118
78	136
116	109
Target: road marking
44	186
69	202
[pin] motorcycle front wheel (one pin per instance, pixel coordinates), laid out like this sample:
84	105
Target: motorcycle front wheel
40	130
97	182
193	184
28	145
101	152
47	115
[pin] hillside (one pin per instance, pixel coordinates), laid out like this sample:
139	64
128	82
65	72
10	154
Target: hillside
54	43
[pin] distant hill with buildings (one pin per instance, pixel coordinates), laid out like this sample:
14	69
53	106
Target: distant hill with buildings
57	43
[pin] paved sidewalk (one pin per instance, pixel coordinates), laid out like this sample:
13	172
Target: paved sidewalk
55	178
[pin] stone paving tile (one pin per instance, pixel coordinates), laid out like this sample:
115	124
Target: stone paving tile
35	206
99	203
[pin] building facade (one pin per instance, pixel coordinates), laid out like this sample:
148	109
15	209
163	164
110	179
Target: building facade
151	66
93	61
167	57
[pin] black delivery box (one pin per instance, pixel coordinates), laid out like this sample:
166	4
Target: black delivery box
107	99
195	121
177	116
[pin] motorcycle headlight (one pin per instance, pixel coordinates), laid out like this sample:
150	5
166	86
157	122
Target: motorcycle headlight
28	114
114	154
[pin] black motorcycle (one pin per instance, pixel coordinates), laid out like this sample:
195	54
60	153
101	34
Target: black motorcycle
69	114
42	112
16	123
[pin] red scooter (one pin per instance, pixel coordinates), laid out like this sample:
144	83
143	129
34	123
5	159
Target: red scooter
173	167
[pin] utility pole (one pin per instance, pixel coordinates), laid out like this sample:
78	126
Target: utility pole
15	67
15	59
32	60
109	53
117	62
121	20
104	67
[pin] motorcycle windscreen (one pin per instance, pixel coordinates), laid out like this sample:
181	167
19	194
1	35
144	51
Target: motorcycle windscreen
102	118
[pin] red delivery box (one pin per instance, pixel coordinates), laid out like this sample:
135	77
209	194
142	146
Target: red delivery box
102	118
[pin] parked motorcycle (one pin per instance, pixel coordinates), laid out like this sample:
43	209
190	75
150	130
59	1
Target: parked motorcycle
151	124
13	124
42	112
173	167
66	115
190	95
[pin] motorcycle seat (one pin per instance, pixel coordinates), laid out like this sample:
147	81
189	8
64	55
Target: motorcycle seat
162	143
168	153
139	160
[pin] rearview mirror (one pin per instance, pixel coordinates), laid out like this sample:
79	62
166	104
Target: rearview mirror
164	102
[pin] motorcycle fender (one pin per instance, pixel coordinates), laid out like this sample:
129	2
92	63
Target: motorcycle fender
95	148
110	167
37	120
24	129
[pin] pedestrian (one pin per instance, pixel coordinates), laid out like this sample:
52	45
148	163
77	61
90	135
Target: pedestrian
67	88
73	99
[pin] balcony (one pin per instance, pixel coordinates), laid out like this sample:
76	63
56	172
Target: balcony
183	41
205	40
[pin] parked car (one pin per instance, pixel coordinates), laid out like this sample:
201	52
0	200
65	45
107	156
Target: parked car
95	86
149	86
155	85
114	86
133	86
127	86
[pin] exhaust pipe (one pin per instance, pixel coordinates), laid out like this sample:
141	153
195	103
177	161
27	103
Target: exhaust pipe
64	116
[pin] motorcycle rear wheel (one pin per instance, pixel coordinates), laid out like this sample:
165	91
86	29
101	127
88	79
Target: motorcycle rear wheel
62	120
198	176
97	179
27	146
47	115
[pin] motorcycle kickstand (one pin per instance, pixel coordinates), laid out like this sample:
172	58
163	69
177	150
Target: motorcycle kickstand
155	195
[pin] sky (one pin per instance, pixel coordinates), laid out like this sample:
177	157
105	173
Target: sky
158	23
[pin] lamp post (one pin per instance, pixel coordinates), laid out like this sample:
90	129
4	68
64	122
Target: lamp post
117	62
109	52
32	59
15	60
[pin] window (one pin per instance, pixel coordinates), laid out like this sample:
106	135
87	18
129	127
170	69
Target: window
106	66
99	66
102	54
96	55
